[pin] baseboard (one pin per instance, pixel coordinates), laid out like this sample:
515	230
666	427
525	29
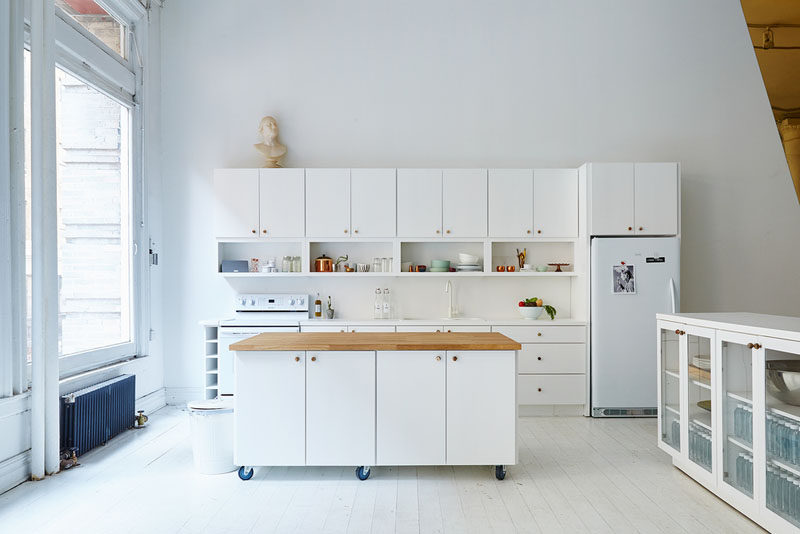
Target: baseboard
551	410
15	470
180	396
152	401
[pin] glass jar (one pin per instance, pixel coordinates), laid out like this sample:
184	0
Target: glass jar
386	265
296	264
286	265
377	265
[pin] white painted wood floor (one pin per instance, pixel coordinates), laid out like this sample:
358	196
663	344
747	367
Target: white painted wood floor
575	475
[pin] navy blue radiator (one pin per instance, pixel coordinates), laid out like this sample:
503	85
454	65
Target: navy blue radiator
93	415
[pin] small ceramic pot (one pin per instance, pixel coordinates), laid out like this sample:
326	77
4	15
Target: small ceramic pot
511	268
421	268
501	268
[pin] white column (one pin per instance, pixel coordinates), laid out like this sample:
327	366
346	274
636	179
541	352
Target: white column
44	394
6	305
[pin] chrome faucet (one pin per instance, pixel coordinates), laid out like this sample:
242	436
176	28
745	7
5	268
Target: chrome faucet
448	288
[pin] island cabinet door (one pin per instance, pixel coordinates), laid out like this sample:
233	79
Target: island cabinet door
340	408
411	408
269	395
481	407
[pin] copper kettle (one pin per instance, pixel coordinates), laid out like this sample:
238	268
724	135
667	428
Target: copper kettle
323	264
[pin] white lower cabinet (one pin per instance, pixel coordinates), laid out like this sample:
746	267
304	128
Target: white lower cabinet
481	407
552	389
340	408
270	406
411	408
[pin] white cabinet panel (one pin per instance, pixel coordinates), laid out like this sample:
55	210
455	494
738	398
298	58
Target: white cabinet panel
411	408
552	389
511	202
320	328
555	202
544	334
370	328
419	202
419	328
373	202
464	202
481	408
612	199
327	202
236	202
656	198
466	329
282	199
554	358
269	395
340	408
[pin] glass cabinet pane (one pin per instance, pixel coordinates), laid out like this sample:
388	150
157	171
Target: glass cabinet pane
699	374
670	388
737	416
782	377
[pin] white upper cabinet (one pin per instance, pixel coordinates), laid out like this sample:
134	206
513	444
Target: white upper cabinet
419	202
373	202
656	198
555	202
282	200
510	202
611	198
236	197
328	202
464	202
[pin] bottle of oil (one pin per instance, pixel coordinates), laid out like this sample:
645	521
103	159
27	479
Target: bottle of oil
318	307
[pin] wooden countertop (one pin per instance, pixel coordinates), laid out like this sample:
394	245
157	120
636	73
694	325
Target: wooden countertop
324	341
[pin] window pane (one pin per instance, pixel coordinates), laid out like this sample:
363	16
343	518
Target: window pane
94	235
97	21
27	126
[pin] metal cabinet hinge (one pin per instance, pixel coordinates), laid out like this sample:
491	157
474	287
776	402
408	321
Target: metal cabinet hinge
153	254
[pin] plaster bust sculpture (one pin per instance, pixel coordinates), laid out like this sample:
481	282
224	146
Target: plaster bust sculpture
272	149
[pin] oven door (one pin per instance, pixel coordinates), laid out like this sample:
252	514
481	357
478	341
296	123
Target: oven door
229	335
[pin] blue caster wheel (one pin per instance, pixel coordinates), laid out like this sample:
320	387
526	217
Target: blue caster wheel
362	472
246	473
500	472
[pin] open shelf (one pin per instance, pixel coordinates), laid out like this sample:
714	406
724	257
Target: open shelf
538	253
783	409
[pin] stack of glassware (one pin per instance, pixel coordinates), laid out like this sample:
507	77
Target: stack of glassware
744	472
743	422
700	445
676	434
783	438
783	492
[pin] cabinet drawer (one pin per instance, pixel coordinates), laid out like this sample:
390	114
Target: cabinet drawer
552	358
419	328
551	389
360	328
544	334
314	328
465	328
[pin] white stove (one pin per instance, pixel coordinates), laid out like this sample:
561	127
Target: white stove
255	314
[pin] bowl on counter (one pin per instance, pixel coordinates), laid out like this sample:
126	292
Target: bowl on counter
541	268
530	312
467	258
440	264
783	380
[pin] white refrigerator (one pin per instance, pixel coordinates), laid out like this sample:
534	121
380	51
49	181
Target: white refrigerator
632	279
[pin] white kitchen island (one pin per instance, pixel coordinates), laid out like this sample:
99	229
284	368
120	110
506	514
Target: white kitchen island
372	399
729	409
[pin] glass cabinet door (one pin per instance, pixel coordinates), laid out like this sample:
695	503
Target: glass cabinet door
669	340
737	413
698	369
782	427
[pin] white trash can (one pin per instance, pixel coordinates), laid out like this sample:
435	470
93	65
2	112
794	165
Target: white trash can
212	435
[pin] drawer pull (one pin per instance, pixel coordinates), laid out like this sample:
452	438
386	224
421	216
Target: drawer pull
751	345
757	346
438	358
439	331
540	389
313	358
539	334
539	358
297	358
455	358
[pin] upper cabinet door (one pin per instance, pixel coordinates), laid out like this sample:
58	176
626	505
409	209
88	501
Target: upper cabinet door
555	202
656	198
373	202
464	202
419	202
510	202
236	202
282	194
328	202
611	198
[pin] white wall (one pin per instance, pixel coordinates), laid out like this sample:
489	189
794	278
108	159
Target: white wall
477	84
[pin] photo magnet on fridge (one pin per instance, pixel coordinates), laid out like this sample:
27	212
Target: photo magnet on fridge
624	281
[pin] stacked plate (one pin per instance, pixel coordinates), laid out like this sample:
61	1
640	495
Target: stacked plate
702	361
468	267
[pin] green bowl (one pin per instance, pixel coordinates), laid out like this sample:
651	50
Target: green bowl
444	264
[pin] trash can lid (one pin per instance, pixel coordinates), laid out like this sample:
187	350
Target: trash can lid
224	403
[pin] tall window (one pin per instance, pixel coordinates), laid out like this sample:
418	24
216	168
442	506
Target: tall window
97	21
94	217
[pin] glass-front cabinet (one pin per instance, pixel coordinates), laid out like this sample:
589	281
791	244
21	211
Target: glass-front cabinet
669	385
781	364
699	348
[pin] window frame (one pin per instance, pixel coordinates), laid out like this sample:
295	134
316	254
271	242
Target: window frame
83	56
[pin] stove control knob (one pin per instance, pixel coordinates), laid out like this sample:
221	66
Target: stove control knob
252	302
291	302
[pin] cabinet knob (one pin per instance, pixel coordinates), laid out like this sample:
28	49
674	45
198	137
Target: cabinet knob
455	358
447	232
540	389
342	330
449	330
354	231
640	228
438	358
529	231
264	231
539	334
297	358
538	231
313	358
751	345
438	330
678	332
253	231
345	230
438	231
539	358
630	228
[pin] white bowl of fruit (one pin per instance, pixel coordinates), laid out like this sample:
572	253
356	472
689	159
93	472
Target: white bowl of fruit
532	308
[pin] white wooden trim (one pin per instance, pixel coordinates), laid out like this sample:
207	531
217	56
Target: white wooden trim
152	401
14	405
7	75
15	470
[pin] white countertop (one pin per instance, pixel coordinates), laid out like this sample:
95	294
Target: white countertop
512	321
779	326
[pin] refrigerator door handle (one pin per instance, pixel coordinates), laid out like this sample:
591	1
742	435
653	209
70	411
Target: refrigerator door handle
672	294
